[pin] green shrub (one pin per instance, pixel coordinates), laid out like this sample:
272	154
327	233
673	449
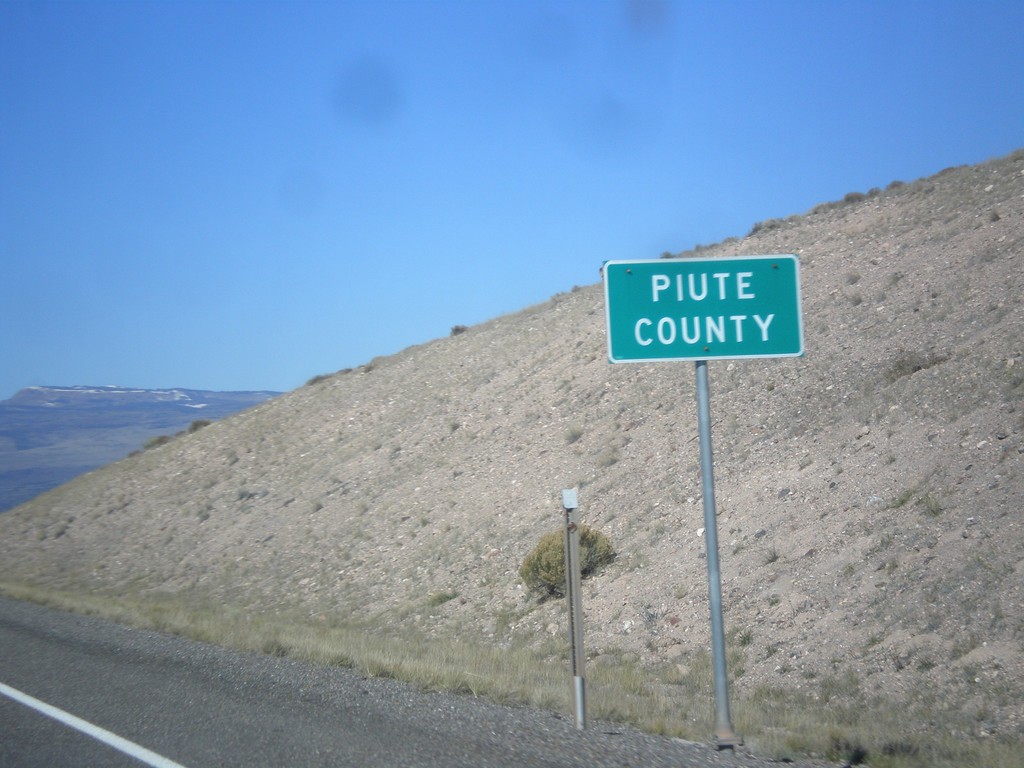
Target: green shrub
440	598
154	442
764	226
573	433
544	568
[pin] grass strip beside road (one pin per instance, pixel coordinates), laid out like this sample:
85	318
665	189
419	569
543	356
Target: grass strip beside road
669	699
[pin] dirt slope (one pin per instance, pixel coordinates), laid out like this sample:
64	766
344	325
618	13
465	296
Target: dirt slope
870	493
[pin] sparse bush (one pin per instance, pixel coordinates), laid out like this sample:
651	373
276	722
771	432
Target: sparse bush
573	433
903	498
764	226
963	645
198	424
318	379
824	207
440	598
908	363
153	442
931	503
457	329
845	750
544	568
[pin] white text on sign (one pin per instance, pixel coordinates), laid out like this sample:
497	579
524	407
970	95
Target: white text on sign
688	288
697	329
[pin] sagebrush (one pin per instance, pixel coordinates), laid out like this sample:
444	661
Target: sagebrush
543	569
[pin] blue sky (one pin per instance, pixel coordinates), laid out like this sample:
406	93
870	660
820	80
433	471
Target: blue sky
242	195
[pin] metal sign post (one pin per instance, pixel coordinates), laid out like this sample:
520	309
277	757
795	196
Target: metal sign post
572	594
660	310
725	736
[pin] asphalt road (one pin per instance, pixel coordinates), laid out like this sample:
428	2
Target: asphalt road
201	706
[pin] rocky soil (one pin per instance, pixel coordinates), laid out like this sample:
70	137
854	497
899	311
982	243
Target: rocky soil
869	494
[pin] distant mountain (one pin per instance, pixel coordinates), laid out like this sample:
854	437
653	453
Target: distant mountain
49	435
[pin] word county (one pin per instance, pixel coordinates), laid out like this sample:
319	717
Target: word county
697	328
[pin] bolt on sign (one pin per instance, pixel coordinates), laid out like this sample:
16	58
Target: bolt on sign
703	309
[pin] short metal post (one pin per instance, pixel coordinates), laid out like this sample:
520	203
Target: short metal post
725	736
572	593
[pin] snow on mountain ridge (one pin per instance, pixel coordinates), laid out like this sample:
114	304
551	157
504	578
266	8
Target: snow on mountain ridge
50	434
57	396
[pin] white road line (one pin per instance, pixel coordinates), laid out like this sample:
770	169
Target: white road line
108	738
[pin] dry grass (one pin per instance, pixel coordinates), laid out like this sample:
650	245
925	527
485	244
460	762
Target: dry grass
830	719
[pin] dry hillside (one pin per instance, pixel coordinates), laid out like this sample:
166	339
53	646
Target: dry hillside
870	493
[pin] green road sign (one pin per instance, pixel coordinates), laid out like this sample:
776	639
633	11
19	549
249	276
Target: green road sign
701	309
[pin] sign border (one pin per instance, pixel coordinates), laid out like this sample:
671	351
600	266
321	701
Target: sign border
717	260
